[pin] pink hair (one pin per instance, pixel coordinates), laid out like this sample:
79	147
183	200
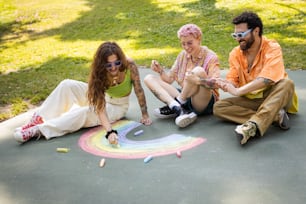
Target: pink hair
189	29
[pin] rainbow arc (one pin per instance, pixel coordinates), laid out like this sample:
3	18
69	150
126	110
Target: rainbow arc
93	142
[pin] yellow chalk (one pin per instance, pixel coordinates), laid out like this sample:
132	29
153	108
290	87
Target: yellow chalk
62	150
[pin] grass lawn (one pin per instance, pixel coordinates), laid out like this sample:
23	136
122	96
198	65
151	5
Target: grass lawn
43	42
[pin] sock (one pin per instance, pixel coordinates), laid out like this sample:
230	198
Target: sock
174	103
181	101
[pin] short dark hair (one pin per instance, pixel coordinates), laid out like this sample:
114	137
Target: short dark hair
251	18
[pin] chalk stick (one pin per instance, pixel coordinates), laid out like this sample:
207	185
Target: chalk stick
147	159
62	150
139	132
178	154
102	163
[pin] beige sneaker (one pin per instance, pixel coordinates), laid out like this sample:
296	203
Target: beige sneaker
246	131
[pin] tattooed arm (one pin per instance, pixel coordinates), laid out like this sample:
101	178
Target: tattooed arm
256	84
139	92
209	83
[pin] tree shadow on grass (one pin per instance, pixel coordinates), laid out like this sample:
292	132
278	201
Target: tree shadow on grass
143	28
113	20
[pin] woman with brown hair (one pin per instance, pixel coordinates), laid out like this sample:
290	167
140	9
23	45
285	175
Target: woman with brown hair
105	99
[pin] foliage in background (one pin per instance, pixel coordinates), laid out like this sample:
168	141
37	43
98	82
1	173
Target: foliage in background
43	42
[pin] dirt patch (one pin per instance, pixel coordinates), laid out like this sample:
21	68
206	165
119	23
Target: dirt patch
6	111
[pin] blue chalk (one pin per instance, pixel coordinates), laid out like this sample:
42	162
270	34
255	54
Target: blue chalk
147	159
138	132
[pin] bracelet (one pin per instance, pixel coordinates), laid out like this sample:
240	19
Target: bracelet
110	132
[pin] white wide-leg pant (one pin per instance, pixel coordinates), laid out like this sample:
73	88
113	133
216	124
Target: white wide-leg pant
66	109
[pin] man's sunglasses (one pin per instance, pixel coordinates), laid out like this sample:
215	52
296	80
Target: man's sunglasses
241	34
116	63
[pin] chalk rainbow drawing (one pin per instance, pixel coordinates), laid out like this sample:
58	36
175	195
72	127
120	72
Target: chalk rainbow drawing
94	142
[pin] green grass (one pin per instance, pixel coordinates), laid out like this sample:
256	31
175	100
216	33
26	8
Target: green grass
44	42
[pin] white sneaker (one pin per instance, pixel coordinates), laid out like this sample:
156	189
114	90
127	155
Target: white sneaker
185	119
25	135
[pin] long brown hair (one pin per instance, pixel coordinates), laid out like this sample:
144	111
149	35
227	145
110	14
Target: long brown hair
98	81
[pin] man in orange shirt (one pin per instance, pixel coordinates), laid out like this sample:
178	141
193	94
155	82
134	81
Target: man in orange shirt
258	80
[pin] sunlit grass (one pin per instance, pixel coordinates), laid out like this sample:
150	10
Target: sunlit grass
44	42
170	6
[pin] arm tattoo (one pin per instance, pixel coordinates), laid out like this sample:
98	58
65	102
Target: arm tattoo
267	81
139	92
208	83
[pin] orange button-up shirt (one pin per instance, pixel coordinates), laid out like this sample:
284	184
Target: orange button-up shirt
268	64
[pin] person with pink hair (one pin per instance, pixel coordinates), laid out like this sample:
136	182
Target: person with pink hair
195	70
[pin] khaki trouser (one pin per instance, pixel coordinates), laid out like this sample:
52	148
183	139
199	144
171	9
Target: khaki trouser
262	111
66	109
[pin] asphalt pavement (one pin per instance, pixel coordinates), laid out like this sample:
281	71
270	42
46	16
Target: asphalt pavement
268	170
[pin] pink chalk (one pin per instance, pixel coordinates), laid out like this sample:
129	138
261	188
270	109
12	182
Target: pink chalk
178	154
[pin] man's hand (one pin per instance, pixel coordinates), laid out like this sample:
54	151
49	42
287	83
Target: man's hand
230	88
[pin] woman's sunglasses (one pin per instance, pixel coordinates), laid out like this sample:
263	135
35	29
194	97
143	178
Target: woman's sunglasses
110	65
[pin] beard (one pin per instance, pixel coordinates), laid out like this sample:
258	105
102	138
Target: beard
247	44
